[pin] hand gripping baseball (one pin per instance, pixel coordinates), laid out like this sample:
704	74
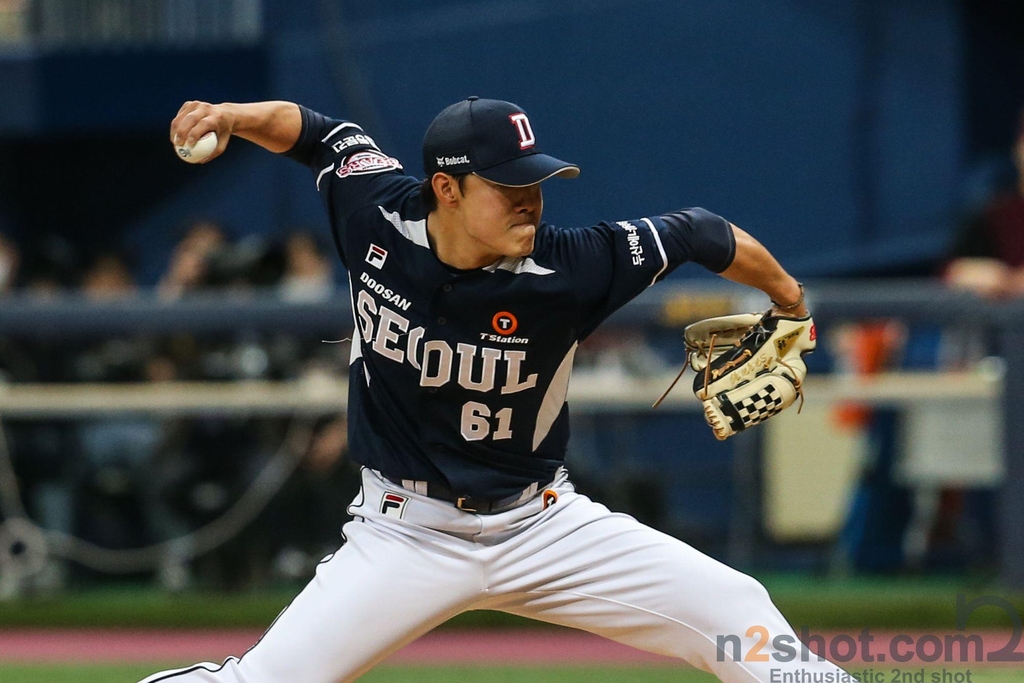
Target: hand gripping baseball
191	129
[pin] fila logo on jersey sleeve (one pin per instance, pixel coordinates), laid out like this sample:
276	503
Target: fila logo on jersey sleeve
393	505
376	256
526	137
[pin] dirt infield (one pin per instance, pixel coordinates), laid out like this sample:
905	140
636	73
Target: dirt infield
441	647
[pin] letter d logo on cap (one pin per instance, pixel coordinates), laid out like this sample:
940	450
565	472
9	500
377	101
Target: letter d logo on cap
526	137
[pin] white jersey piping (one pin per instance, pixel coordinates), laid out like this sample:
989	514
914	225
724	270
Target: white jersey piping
661	249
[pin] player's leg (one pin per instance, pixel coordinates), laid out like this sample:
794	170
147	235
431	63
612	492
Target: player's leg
391	582
584	567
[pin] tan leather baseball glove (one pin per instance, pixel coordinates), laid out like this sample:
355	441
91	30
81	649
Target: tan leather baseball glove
749	367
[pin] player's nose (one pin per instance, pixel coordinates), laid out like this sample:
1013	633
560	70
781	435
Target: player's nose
528	199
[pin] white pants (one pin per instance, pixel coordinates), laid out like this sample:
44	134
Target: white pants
408	566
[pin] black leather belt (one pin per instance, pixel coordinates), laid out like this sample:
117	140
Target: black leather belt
480	506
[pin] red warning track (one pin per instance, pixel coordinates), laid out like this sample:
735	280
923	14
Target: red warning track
490	647
543	646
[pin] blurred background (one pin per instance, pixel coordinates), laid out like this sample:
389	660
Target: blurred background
172	363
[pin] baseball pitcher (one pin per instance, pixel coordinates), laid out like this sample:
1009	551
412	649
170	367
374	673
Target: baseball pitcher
468	311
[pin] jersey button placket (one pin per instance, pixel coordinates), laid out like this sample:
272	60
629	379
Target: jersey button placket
446	288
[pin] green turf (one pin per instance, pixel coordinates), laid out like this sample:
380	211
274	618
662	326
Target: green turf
130	674
52	673
816	603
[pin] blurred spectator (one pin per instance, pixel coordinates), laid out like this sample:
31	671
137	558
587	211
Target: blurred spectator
121	502
911	510
43	288
114	359
302	522
9	261
206	260
189	267
308	274
13	21
988	258
252	263
40	448
51	266
132	479
108	278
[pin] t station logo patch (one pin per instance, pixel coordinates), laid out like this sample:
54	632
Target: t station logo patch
504	323
393	505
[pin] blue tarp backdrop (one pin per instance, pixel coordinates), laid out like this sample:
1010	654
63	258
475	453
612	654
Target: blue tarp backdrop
833	131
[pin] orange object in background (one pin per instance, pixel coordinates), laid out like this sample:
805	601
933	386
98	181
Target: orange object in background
867	348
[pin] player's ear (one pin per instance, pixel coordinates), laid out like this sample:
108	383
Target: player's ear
446	189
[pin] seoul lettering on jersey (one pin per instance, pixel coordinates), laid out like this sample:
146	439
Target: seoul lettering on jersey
381	328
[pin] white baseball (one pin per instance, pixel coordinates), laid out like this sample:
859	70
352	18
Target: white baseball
200	151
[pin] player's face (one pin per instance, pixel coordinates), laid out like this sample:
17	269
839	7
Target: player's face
502	219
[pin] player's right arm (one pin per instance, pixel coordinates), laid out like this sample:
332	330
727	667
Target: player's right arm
275	126
350	170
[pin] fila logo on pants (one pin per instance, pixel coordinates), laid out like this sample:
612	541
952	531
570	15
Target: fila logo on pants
393	505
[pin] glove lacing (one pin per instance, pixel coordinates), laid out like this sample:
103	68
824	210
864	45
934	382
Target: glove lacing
707	370
797	384
707	367
670	387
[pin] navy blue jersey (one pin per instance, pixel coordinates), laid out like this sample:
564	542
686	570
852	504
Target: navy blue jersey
460	377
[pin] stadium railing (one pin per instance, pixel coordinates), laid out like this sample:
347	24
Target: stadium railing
667	306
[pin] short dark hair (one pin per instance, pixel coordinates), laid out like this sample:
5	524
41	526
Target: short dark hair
427	190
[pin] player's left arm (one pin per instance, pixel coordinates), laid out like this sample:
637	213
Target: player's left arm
759	368
753	265
611	263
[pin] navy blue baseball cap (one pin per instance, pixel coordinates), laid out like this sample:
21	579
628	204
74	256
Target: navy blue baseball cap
492	139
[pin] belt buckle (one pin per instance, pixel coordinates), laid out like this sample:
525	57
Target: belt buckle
461	501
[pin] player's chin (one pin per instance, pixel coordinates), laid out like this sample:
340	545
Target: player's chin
522	240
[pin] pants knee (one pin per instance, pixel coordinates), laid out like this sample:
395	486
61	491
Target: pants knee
752	590
745	603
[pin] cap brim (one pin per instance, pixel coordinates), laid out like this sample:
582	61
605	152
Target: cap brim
528	170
